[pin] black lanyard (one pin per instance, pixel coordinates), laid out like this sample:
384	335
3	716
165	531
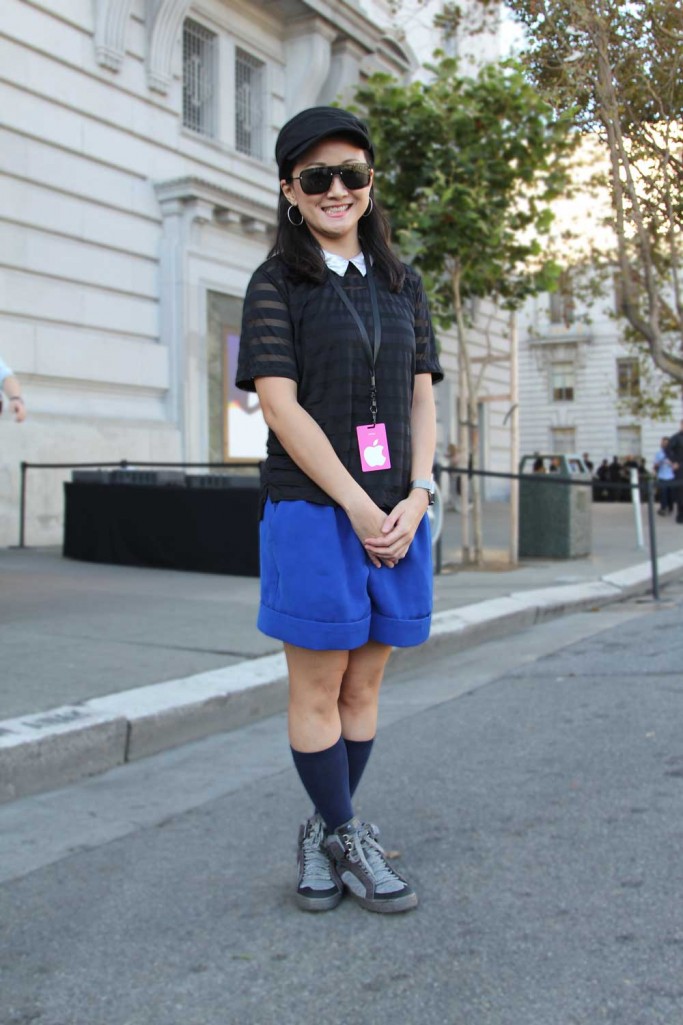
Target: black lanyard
372	352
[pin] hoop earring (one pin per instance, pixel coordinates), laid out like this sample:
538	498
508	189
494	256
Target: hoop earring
369	209
295	224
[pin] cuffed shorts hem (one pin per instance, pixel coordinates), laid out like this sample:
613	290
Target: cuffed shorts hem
319	589
312	634
400	633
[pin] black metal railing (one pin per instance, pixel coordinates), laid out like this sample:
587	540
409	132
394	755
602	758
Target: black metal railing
558	479
122	464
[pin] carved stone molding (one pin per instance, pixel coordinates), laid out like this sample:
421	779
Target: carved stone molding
308	53
325	46
111	24
344	70
164	18
547	352
394	56
199	200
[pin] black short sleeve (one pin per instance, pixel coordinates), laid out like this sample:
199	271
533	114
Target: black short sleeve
303	331
267	338
426	358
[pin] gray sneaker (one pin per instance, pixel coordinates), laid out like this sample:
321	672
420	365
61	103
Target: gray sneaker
319	887
363	869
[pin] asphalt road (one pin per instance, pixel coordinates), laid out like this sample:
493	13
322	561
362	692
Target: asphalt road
534	790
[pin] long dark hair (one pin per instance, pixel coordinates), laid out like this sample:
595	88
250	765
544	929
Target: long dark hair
303	257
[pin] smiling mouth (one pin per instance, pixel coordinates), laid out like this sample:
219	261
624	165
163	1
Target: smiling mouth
337	211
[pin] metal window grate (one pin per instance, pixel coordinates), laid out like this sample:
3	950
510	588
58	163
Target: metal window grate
199	78
563	382
249	87
628	378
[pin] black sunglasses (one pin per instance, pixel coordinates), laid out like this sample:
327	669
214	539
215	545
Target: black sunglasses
316	180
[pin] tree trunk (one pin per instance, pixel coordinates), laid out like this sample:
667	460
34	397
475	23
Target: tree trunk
625	190
470	488
464	452
514	441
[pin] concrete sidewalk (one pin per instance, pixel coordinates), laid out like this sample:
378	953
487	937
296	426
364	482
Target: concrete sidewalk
106	664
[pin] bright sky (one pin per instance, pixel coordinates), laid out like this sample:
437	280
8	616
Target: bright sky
511	34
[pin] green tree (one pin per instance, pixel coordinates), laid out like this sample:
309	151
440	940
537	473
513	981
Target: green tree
469	166
617	65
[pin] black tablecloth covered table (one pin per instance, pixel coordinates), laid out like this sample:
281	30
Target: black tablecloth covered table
209	530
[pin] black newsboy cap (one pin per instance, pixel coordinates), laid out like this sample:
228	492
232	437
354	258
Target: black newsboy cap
310	126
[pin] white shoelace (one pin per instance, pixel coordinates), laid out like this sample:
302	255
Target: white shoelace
365	850
375	858
316	864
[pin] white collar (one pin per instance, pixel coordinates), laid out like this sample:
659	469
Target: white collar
339	264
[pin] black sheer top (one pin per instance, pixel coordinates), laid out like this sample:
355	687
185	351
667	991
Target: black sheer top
304	332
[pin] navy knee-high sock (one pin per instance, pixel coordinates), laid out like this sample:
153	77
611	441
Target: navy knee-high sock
325	775
357	752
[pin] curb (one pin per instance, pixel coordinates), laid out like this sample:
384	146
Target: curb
51	749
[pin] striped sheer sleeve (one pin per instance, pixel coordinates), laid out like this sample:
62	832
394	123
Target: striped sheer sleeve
426	358
267	339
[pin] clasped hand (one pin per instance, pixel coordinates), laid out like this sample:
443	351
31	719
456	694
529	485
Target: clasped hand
395	536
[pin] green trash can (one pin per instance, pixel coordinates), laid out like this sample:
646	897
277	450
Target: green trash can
554	519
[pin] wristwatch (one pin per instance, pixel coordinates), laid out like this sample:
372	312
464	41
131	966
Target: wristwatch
425	485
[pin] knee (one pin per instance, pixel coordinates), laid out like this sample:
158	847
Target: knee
318	697
357	695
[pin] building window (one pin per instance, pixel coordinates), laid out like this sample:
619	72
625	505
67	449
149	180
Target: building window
563	440
249	90
629	442
628	378
563	382
199	78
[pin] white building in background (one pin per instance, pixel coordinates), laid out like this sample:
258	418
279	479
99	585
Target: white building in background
138	194
574	374
575	371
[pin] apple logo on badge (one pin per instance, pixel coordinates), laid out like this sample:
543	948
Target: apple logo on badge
373	447
374	454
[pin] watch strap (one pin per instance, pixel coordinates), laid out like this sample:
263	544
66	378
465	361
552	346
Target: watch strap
425	485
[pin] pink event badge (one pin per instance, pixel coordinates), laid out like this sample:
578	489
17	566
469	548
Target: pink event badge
373	447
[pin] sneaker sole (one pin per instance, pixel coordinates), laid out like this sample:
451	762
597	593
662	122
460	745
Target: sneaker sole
317	903
387	907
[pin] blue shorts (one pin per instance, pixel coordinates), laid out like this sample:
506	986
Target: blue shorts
319	589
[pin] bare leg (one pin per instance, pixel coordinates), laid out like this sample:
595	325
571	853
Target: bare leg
359	691
315	679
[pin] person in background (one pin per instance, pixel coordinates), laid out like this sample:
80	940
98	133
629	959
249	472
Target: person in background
9	384
631	462
665	475
674	452
539	465
615	475
587	462
601	494
337	342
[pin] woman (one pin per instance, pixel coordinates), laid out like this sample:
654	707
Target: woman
337	342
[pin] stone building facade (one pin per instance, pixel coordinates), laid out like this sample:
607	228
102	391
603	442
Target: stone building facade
575	377
138	194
